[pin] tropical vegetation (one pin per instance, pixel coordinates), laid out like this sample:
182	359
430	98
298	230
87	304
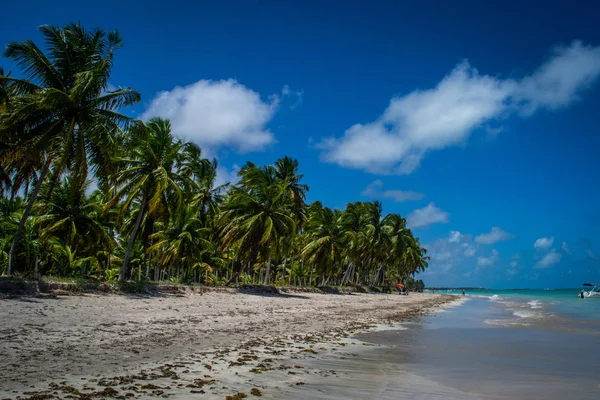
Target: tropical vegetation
88	191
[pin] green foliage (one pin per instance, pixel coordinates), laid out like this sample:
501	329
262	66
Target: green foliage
157	213
111	274
246	279
214	280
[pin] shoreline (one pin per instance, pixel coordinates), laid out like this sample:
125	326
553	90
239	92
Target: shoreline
219	344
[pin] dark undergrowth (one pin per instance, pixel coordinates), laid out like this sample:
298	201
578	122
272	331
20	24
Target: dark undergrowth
65	286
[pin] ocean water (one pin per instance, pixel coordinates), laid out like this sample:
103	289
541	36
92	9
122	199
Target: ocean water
535	303
519	344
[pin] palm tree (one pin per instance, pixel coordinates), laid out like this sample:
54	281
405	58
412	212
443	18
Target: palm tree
286	170
69	213
202	176
354	226
61	109
415	257
150	176
327	240
257	216
376	239
183	242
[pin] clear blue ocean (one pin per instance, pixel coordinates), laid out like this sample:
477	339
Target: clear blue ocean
499	344
535	303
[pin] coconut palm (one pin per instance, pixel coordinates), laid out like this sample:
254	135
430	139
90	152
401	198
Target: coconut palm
202	177
415	257
150	176
71	214
257	216
376	240
182	243
62	109
286	170
326	240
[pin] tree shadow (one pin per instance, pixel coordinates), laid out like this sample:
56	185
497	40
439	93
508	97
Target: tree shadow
29	298
267	291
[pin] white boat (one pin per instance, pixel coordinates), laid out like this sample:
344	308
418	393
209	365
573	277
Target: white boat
593	292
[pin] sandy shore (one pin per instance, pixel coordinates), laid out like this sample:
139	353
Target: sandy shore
213	344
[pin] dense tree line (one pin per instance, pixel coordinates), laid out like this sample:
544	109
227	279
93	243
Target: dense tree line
155	211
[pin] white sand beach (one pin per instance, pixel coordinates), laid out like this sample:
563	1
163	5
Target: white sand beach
219	342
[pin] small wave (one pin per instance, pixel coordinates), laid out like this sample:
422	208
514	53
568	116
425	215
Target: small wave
390	327
506	322
494	297
535	304
526	314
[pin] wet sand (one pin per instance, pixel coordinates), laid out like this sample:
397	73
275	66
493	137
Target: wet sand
459	355
177	346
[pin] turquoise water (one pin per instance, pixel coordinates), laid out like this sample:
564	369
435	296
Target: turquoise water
499	344
550	303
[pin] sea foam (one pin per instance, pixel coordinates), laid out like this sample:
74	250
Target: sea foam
526	314
535	304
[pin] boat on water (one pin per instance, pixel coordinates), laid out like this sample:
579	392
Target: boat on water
593	292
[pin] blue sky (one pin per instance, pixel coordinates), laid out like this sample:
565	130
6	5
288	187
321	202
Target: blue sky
478	121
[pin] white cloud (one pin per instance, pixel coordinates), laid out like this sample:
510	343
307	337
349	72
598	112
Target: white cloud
495	235
470	250
558	82
217	113
225	175
488	261
543	243
374	190
446	253
426	216
298	95
549	259
455	236
565	248
466	248
441	256
591	254
464	100
515	268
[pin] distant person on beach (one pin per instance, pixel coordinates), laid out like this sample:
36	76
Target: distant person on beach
432	291
400	287
463	292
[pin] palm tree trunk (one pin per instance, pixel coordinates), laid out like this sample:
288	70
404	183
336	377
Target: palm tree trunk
283	272
148	266
138	222
348	273
268	273
380	276
37	267
36	190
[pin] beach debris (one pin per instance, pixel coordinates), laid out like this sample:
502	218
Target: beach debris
237	396
199	383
